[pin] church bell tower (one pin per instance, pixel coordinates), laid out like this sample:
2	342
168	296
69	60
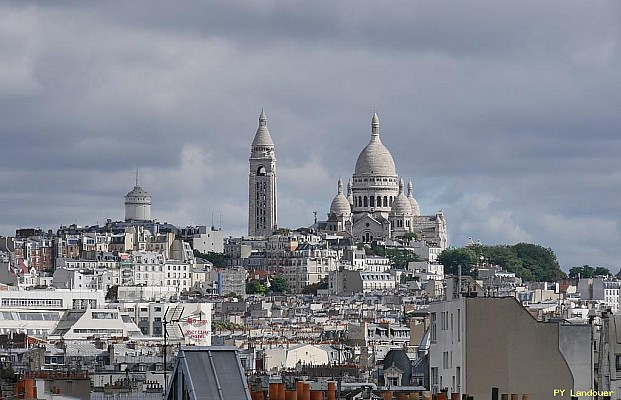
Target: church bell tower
262	199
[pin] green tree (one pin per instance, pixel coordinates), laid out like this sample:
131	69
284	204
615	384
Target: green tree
586	271
507	258
540	261
402	258
279	284
312	289
399	258
255	287
601	271
452	258
217	259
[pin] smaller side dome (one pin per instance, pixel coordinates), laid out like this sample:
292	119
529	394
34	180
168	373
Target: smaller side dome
340	204
401	205
413	202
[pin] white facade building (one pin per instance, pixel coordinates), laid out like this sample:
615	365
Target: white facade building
152	269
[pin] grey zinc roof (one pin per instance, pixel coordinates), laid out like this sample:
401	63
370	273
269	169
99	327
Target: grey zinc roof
137	191
208	373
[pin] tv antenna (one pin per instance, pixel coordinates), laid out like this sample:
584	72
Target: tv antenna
172	316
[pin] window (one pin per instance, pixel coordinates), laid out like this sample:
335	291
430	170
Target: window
433	327
459	324
444	321
434	379
103	315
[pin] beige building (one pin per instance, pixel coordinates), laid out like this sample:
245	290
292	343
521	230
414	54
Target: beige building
477	344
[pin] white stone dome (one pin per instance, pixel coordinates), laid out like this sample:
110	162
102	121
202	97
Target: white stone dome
401	205
375	159
340	205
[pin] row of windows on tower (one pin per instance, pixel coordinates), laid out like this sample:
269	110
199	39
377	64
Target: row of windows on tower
375	180
372	201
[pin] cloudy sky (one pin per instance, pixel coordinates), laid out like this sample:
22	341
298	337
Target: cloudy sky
504	114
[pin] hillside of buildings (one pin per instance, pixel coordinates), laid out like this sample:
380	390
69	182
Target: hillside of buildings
368	304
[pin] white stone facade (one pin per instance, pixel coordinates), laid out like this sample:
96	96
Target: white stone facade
379	208
137	204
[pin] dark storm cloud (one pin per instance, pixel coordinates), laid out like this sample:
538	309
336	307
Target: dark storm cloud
504	114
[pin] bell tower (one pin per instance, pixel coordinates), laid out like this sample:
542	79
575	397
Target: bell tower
262	199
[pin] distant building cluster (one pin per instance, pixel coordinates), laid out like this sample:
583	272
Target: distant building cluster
353	307
376	207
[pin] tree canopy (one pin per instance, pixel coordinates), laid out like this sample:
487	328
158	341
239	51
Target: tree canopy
217	259
586	271
453	258
278	284
531	262
312	289
398	257
255	287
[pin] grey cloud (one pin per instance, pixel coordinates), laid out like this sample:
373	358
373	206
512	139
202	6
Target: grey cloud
504	114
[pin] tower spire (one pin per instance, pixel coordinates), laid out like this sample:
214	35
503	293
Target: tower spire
375	126
262	204
136	176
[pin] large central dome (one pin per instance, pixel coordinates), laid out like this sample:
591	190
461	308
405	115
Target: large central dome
375	159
